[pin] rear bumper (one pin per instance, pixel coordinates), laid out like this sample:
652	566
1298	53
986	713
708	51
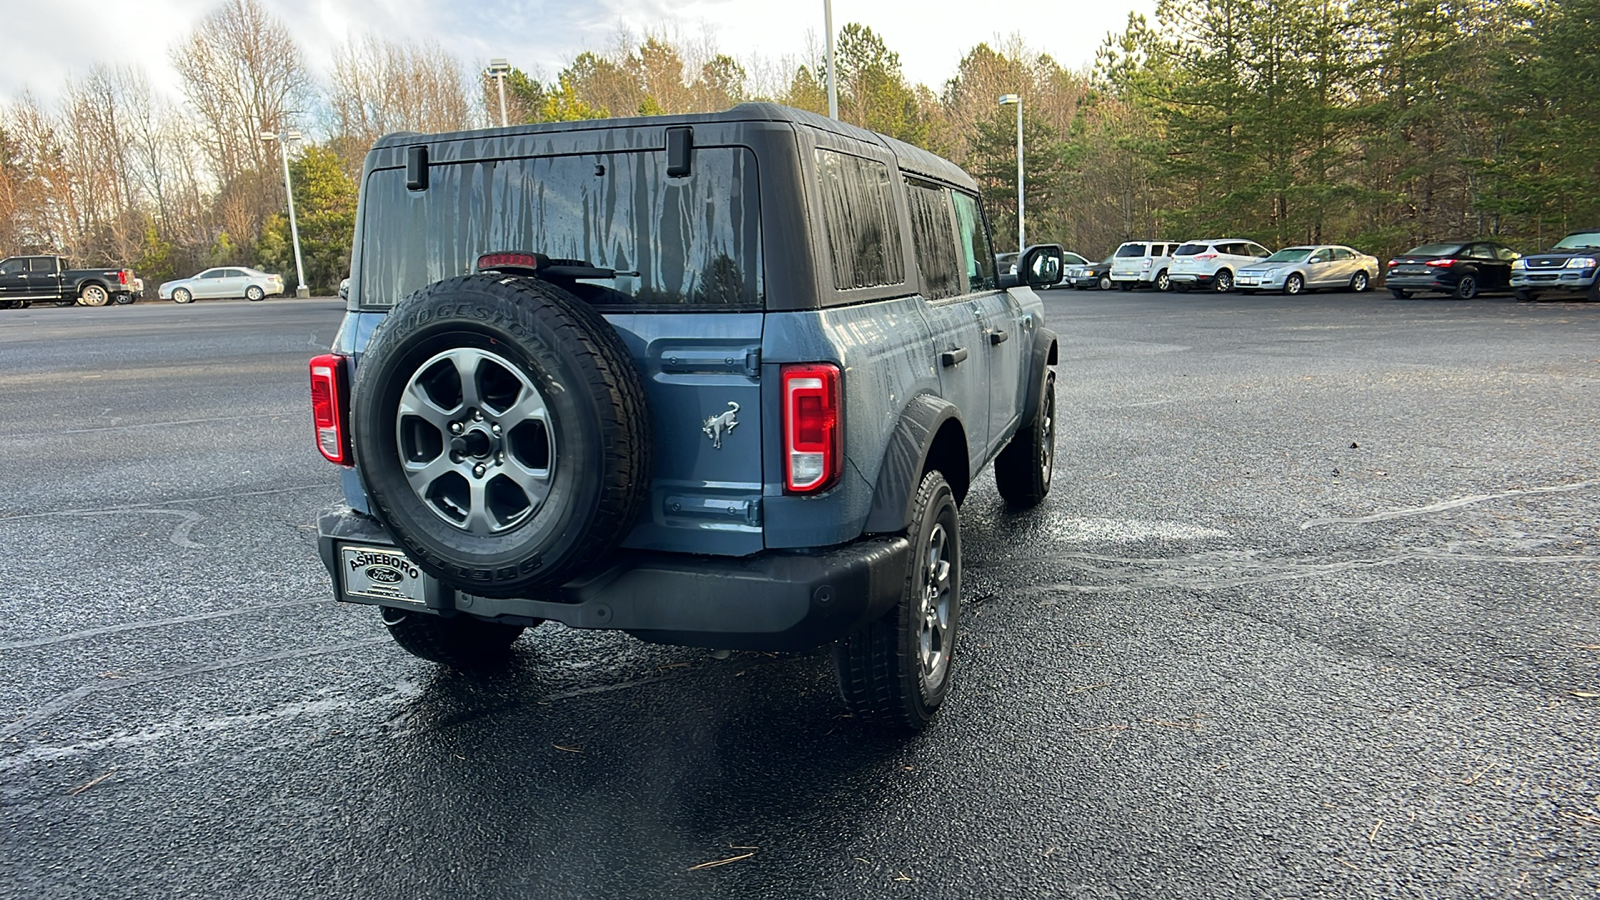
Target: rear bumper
1419	282
1191	278
770	601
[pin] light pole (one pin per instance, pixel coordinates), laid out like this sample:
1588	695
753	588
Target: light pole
1017	99
833	89
498	70
283	140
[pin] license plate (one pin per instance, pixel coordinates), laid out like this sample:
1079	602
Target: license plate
1247	279
381	573
1413	270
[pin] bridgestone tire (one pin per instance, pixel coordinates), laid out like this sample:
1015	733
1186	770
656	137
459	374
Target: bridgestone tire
543	349
1023	469
462	643
880	669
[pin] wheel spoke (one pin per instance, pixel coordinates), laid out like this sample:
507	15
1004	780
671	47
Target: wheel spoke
479	520
466	363
529	405
423	475
414	401
535	483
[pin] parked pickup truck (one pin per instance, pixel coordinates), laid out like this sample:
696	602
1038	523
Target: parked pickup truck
25	280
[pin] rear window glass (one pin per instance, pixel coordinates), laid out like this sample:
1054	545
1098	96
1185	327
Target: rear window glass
1127	250
690	242
1189	250
863	229
1434	250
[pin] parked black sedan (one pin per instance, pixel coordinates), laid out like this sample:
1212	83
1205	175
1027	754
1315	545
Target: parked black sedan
1462	269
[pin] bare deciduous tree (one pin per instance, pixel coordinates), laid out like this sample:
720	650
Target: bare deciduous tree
380	87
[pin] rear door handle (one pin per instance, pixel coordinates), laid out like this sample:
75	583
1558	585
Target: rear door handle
998	337
952	357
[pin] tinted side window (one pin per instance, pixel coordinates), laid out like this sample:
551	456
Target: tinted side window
1256	250
13	267
975	244
863	230
1341	253
933	237
42	265
1128	251
1481	251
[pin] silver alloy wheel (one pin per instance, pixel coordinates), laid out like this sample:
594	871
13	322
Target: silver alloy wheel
1294	284
254	293
476	441
93	295
1358	282
933	620
1163	283
181	295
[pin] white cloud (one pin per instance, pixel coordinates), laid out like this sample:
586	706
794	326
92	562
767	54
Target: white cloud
46	42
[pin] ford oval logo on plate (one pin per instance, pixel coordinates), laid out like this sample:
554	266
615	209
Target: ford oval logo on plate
384	575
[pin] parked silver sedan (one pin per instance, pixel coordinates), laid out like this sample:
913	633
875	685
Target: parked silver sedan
226	281
1294	270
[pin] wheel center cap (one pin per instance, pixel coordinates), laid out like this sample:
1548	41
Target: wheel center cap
475	443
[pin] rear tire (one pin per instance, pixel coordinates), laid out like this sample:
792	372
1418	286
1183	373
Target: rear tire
1359	282
463	643
1162	282
1125	286
93	295
1023	469
1525	295
253	293
1400	294
895	673
1222	282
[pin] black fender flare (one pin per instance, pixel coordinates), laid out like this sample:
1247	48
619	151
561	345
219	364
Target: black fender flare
903	461
1045	354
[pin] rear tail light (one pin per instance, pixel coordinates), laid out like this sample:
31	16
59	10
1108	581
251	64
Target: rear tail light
812	438
1393	263
122	276
330	407
510	261
1441	263
1205	256
1147	262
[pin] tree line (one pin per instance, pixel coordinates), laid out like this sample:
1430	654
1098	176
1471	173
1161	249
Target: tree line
1378	123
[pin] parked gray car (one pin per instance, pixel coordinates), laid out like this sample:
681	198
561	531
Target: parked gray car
1293	270
224	281
725	391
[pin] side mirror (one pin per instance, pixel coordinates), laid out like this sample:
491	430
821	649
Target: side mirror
1041	265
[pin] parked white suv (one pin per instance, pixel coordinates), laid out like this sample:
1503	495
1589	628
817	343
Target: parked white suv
1142	263
1212	263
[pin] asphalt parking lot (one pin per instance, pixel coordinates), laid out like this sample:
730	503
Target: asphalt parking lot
1312	611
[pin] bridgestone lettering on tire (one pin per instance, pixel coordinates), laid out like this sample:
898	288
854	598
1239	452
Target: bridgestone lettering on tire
896	671
501	432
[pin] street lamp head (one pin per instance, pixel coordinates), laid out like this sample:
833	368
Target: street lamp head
1008	99
498	66
269	136
292	135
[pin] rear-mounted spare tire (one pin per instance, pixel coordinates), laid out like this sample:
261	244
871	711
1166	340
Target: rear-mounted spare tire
501	432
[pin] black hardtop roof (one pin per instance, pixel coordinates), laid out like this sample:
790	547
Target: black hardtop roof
913	160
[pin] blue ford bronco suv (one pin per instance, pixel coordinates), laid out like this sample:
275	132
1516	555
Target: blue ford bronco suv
714	380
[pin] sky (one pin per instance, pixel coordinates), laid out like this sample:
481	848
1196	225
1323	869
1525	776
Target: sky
46	41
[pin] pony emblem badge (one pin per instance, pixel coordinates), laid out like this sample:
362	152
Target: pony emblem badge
719	425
